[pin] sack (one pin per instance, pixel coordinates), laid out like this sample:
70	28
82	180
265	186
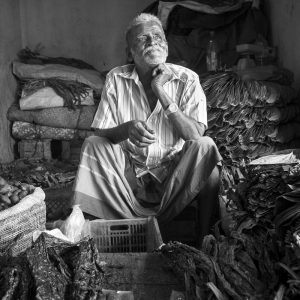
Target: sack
29	131
46	97
72	228
18	223
60	117
92	78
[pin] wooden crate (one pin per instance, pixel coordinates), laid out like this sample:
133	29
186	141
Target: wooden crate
147	275
127	247
35	149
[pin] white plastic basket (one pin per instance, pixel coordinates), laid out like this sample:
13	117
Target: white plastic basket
126	235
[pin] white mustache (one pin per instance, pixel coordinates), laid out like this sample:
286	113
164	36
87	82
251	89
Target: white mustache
151	48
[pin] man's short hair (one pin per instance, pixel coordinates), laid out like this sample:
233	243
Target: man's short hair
140	19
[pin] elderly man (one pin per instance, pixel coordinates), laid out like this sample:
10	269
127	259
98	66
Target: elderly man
148	155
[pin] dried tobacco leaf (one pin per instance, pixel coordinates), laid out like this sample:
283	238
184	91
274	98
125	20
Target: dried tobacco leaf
49	282
89	276
15	279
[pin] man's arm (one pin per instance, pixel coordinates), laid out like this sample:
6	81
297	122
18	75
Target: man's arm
138	132
115	134
188	128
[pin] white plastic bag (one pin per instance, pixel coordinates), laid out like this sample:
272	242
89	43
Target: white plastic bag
54	232
73	226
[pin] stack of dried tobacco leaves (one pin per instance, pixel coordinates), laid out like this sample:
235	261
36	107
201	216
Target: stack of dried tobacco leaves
250	118
39	172
267	210
259	258
53	269
225	268
264	184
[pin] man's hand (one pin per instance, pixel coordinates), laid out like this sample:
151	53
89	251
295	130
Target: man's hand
140	134
161	74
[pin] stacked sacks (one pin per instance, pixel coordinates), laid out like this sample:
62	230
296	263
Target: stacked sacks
57	98
250	118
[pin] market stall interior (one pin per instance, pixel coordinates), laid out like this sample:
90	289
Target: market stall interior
52	76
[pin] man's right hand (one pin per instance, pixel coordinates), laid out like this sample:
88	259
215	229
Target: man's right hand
140	134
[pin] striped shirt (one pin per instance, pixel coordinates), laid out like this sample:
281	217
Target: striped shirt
124	99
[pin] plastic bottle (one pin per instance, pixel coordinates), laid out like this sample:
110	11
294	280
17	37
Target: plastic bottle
212	53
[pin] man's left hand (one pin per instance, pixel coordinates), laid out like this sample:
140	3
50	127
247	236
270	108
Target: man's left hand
161	74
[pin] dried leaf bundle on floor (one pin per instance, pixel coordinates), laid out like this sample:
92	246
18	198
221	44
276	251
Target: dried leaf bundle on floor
267	214
53	269
221	268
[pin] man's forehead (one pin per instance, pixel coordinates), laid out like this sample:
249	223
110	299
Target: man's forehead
147	26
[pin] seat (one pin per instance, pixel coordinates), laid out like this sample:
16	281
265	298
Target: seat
184	227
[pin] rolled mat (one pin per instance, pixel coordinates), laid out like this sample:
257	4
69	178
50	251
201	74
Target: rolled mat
29	131
59	117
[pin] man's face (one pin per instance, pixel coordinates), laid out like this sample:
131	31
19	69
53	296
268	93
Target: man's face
147	44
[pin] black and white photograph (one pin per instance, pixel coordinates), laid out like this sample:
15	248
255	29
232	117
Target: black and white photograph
149	150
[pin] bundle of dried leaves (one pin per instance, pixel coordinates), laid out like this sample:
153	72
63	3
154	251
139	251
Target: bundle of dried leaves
53	269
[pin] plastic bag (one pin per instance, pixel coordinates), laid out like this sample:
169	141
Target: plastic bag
73	226
54	232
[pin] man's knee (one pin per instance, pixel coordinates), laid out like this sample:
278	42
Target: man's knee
203	144
214	177
93	142
204	141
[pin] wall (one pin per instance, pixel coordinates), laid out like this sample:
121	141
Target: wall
10	43
285	27
90	30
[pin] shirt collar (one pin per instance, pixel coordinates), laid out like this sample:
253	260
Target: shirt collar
132	74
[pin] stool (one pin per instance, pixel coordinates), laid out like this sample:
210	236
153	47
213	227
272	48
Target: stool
184	227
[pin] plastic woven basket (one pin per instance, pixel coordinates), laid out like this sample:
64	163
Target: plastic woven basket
128	235
18	223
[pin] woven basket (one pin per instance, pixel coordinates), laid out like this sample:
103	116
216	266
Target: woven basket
58	200
18	223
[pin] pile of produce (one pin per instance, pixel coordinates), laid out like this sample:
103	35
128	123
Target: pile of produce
223	268
39	172
258	256
11	193
248	119
53	269
268	203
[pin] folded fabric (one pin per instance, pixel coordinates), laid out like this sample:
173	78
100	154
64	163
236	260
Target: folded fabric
28	131
61	117
46	98
164	8
92	78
